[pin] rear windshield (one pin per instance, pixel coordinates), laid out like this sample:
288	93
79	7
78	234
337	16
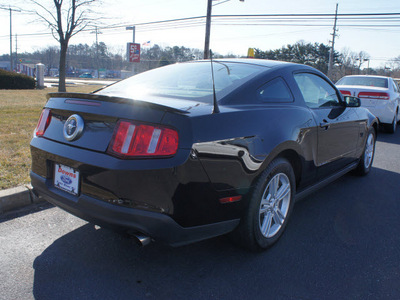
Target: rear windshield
364	81
190	81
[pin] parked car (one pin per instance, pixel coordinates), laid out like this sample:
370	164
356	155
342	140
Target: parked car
86	75
379	94
71	74
165	156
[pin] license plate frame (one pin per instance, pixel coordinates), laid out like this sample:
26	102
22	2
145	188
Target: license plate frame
66	178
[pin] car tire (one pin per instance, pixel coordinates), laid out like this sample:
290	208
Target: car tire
397	116
391	128
367	158
269	207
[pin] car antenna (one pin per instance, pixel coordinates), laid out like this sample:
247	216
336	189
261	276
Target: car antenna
215	103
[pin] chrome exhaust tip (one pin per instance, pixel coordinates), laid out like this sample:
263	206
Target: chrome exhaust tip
142	240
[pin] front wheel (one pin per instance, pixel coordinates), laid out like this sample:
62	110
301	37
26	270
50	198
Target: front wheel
365	164
269	208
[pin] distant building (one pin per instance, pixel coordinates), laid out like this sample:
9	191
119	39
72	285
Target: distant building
27	69
5	65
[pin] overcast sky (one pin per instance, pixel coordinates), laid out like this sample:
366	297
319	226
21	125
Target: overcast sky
227	36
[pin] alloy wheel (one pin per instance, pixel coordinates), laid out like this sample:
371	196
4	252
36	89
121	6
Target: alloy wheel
274	205
369	151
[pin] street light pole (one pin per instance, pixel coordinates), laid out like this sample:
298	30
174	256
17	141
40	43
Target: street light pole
133	41
133	30
367	59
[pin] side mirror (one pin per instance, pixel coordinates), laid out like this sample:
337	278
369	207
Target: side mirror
352	101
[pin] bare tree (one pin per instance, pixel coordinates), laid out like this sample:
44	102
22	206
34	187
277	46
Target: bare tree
361	58
396	61
350	62
50	56
64	22
396	67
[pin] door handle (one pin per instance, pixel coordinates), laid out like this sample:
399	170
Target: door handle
324	124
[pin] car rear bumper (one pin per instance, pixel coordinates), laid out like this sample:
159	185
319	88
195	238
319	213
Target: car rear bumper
155	225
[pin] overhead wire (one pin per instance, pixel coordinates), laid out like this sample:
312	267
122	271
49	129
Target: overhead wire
377	20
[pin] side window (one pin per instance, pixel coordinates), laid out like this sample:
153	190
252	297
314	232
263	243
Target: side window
316	91
275	90
395	88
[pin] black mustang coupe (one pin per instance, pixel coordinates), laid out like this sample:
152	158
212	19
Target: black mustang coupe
200	149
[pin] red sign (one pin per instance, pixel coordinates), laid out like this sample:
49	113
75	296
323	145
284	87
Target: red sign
134	52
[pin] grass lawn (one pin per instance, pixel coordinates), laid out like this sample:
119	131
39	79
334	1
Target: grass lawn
19	113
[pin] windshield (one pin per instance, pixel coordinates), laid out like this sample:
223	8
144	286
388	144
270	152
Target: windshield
189	81
364	81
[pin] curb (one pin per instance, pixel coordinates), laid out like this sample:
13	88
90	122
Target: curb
17	198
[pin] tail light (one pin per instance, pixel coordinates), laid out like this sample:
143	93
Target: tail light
132	139
374	95
345	93
43	123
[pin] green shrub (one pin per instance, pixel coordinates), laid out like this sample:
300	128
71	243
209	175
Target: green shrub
15	81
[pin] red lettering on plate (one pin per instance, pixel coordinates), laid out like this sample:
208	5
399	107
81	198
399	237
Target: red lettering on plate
60	170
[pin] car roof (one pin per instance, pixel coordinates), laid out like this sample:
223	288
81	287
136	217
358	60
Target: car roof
252	61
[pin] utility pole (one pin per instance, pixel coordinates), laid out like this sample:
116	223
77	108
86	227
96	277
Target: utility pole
331	53
11	59
10	9
96	31
16	52
208	26
208	29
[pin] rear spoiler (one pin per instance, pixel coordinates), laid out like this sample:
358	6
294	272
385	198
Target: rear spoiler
121	100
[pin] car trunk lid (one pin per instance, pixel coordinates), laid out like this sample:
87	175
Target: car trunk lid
100	115
369	96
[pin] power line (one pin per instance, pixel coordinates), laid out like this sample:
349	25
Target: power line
378	20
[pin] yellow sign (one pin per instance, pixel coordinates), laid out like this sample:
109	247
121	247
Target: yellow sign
250	53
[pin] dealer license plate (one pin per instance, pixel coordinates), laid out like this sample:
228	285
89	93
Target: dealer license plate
66	179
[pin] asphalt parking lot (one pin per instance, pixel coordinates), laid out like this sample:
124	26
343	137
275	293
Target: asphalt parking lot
341	243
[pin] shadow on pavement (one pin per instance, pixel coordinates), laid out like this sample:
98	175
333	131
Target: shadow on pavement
30	209
341	243
392	138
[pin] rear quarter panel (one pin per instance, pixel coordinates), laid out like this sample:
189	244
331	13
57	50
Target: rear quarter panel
236	145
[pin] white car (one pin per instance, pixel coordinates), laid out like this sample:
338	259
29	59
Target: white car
379	94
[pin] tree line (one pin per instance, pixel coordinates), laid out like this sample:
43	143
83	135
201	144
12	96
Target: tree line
316	55
100	56
78	15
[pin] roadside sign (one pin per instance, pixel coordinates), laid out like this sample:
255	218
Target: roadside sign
133	52
250	53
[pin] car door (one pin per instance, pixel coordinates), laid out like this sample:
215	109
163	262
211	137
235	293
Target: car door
338	126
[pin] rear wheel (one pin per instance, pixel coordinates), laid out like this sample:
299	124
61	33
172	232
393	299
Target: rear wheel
397	117
269	208
365	164
391	128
